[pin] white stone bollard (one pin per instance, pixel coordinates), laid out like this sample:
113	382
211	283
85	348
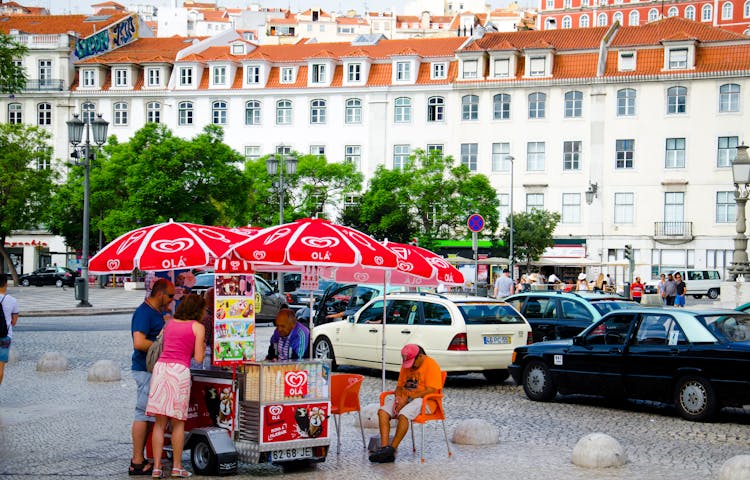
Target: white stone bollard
13	355
475	431
52	362
598	450
104	371
736	468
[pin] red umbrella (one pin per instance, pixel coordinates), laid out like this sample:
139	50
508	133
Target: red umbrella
165	246
445	273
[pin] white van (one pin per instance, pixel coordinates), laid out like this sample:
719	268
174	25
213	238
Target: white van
699	282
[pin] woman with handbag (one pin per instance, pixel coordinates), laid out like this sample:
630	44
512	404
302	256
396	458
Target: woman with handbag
169	395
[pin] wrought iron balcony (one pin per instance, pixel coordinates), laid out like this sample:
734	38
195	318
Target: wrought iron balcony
674	231
47	84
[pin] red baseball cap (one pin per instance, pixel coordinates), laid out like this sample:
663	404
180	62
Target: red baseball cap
408	355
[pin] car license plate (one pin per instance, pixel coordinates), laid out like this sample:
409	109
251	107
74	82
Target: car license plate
291	454
497	339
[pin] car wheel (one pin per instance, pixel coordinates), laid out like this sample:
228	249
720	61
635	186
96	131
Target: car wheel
204	460
698	296
496	376
695	399
25	282
59	283
537	382
713	294
324	351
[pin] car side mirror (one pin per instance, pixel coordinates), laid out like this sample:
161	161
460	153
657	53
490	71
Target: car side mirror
579	340
350	318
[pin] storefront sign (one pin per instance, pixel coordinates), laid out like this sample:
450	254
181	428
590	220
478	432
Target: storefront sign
282	423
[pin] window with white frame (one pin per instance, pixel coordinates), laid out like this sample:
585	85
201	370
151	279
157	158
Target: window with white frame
727	151
121	77
690	12
727	11
43	161
219	112
567	3
675	153
45	72
634	18
353	155
674	210
550	4
535	156
435	149
572	155
153	112
400	156
220	75
537	66
354	72
726	208
185	113
676	100
678	58
584	3
653	15
120	113
503	207
537	104
626	102
624	207
44	114
470	69
469	155
252	152
15	113
186	76
624	152
729	97
571	208
252	112
88	112
617	17
502	68
238	49
501	106
402	110
470	107
154	77
353	112
573	104
252	74
89	77
500	160
319	73
284	112
583	21
672	12
319	150
403	71
746	9
534	201
283	149
286	75
567	22
706	13
601	20
435	109
318	111
439	71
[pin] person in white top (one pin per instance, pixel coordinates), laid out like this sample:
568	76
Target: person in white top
582	284
10	310
503	285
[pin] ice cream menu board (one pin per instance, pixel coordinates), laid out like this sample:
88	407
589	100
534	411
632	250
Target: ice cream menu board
234	318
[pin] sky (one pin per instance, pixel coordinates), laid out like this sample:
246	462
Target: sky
398	6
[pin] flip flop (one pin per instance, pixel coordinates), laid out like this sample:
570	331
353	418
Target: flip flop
140	469
181	472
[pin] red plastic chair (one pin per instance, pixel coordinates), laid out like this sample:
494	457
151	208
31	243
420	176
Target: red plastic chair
344	399
433	401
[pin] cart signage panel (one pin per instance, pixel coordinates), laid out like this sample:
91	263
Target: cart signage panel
212	403
295	383
285	422
234	313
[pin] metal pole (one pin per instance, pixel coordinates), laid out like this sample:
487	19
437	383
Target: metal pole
280	275
475	247
85	248
739	267
510	260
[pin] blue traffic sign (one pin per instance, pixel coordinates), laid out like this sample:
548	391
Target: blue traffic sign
476	223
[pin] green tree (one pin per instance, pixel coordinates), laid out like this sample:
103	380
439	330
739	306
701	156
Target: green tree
25	188
12	77
315	185
532	233
151	178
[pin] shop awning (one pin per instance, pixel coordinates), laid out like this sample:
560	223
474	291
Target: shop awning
565	262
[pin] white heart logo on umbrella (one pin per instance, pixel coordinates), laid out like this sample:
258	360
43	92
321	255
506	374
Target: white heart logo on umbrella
379	260
361	277
320	242
172	246
113	264
406	266
295	379
275	410
259	254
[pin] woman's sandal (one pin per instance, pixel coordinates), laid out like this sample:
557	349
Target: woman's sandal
157	473
181	472
140	469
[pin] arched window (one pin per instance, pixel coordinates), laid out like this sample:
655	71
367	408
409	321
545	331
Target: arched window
567	22
626	102
617	17
318	111
120	113
676	100
583	22
219	112
690	12
185	113
15	113
353	112
469	107
727	11
501	106
252	112
634	18
537	105
601	20
653	15
435	109
746	9
402	110
153	112
706	13
672	12
44	114
284	112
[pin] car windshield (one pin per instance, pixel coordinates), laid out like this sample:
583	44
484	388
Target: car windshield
735	328
484	313
606	306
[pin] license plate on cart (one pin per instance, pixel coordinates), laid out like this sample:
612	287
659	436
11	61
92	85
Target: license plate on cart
497	339
291	454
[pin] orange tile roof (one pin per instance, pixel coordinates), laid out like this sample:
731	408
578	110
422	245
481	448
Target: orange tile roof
51	24
578	65
407	18
274	79
309	12
380	75
356	53
566	39
108	4
323	54
351	21
191	4
143	50
215	16
380	14
287	20
654	32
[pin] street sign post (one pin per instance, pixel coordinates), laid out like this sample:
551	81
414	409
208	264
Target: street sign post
476	225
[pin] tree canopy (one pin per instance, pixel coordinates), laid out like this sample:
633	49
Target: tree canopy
12	76
532	233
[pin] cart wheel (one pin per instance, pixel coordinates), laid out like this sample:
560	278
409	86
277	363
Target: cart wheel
204	460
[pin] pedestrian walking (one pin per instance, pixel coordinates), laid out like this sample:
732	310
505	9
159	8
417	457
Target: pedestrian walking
636	290
503	285
670	290
680	289
660	288
9	307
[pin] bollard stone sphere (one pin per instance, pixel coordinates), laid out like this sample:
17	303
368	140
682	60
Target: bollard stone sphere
52	362
13	355
475	431
736	468
104	371
598	450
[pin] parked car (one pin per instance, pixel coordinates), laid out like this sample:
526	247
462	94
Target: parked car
271	303
301	297
699	282
554	315
696	359
51	275
344	300
291	282
462	333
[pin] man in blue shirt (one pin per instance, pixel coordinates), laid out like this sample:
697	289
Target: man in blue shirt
148	320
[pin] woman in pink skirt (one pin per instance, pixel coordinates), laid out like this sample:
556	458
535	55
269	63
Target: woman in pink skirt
184	338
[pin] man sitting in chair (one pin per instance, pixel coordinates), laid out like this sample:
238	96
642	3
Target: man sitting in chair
419	376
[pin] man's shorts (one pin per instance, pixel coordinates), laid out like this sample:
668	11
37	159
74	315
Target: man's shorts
410	410
4	349
143	381
679	301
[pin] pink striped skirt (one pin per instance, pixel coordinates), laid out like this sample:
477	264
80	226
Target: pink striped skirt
169	393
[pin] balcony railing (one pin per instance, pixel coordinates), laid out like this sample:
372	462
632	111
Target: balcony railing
673	230
43	41
48	84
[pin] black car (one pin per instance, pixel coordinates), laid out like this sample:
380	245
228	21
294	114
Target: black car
272	301
301	297
52	275
697	359
291	282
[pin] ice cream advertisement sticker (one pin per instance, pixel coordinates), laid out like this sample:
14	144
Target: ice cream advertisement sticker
295	383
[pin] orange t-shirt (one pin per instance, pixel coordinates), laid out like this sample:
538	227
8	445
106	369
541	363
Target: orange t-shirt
427	375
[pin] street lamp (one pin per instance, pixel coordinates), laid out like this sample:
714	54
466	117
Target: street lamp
741	177
276	165
84	155
510	158
591	192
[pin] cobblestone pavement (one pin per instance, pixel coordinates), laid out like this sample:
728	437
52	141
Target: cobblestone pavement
63	426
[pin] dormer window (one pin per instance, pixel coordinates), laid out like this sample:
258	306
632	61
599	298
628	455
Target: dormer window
89	77
319	73
626	61
154	77
403	71
678	58
354	72
121	77
470	68
537	66
253	74
286	75
502	67
238	49
186	76
439	71
220	75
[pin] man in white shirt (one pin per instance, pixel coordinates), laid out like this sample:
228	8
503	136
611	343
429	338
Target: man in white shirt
10	311
503	285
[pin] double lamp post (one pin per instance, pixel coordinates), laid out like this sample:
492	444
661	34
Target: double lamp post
276	166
